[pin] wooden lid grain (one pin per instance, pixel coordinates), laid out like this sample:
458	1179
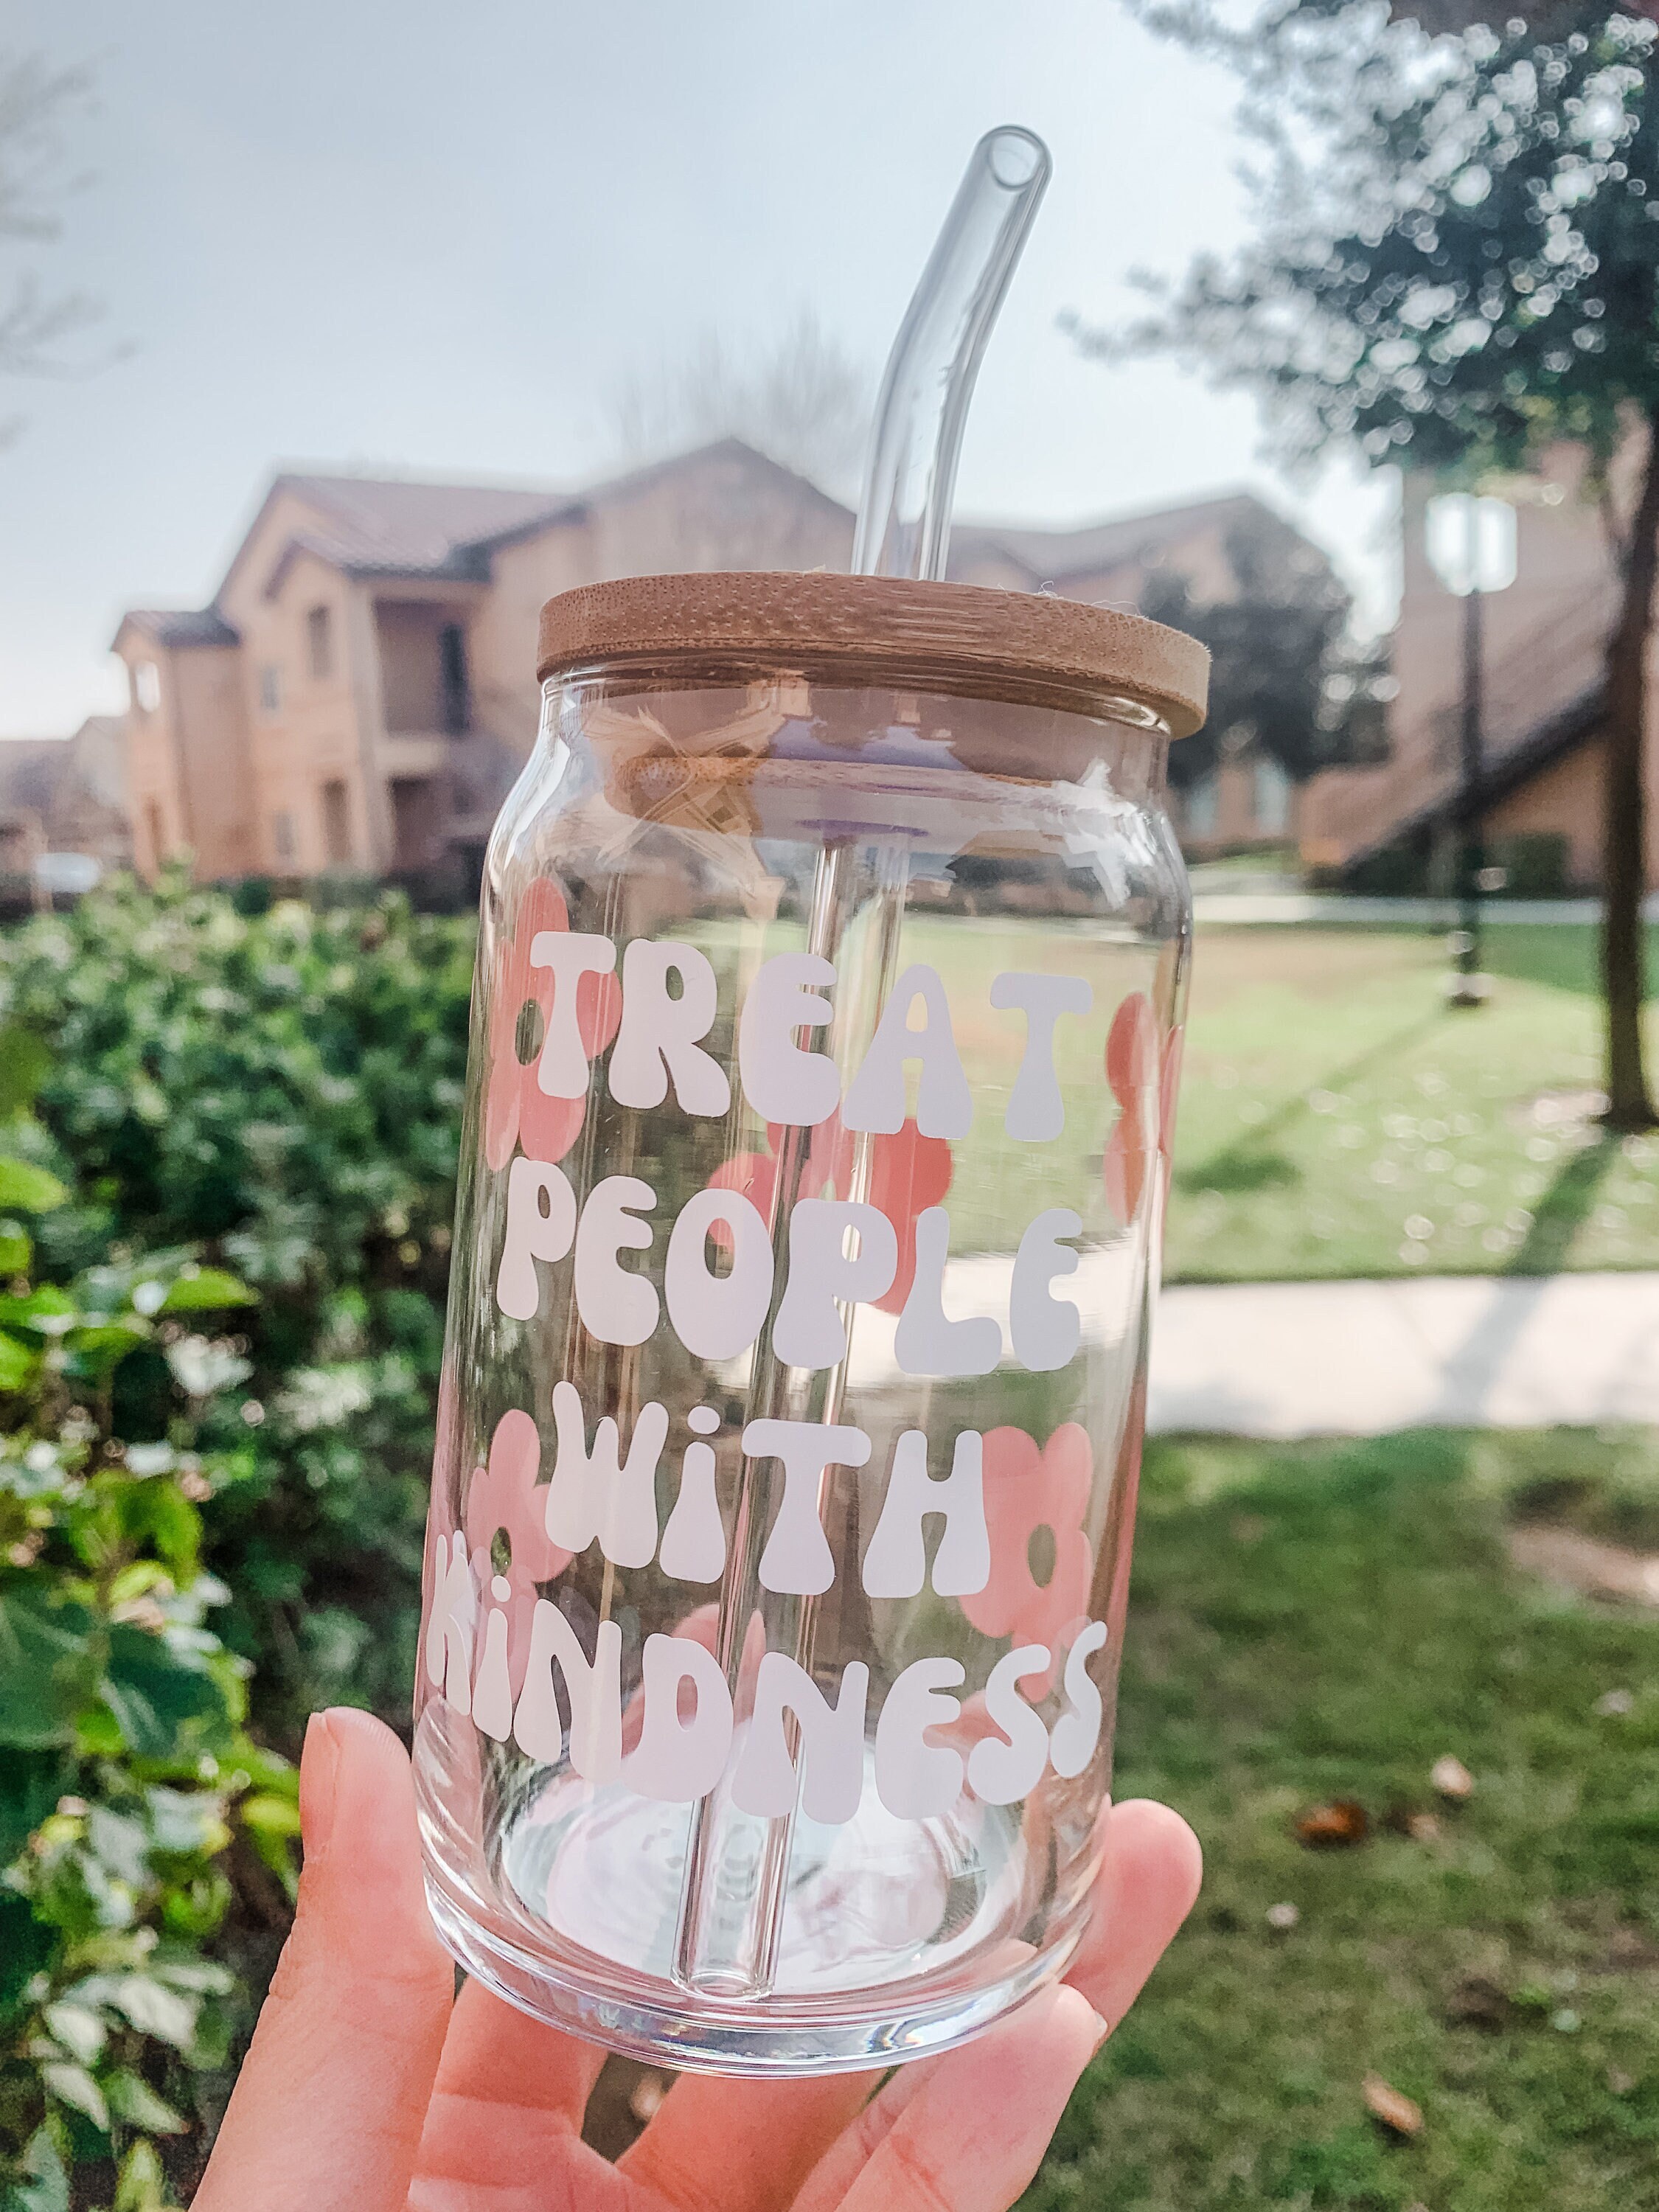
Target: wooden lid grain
959	637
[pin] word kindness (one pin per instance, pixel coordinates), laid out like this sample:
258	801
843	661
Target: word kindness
840	1252
598	1494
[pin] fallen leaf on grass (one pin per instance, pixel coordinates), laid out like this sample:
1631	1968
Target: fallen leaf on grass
1452	1778
1397	2112
1328	1827
1421	1827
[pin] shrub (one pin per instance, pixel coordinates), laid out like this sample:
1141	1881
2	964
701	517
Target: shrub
144	1837
281	1090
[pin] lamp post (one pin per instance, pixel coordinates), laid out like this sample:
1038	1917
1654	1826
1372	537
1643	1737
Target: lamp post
1471	547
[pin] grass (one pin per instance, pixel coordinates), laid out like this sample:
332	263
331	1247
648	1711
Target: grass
1338	1119
1312	1622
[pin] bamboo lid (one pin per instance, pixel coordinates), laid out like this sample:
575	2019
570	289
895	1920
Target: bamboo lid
878	630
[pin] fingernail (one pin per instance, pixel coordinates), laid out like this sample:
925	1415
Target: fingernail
319	1775
1104	2027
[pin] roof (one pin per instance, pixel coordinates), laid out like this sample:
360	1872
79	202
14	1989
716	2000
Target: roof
1050	555
381	526
1558	735
182	626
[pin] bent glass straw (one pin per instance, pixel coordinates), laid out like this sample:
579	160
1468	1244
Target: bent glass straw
736	1864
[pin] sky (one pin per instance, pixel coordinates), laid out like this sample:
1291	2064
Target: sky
426	238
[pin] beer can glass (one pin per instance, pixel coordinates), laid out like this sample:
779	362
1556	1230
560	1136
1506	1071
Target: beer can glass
825	1038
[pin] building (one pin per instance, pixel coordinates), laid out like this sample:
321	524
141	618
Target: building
1392	827
361	694
62	798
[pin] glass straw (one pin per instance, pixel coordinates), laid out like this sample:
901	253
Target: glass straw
736	1864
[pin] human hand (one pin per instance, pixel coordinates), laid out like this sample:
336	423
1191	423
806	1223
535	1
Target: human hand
369	2087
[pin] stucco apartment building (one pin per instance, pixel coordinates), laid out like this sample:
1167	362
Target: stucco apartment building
361	693
1543	642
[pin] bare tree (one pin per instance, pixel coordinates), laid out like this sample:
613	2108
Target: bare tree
36	104
802	400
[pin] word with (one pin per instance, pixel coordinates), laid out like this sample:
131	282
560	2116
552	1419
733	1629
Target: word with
604	1495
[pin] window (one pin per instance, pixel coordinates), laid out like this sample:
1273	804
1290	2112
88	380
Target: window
319	643
1271	796
147	687
271	690
282	835
1201	807
452	666
336	823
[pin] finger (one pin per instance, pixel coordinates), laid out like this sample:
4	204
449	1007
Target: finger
973	2134
719	2145
1148	1881
507	2106
328	2109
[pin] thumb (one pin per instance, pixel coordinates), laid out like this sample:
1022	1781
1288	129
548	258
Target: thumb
328	2110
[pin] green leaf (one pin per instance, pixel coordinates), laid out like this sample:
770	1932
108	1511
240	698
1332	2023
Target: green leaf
155	1692
18	1363
45	2186
154	2009
46	1666
16	1248
132	2100
201	1289
270	1815
24	1060
143	2184
29	1188
75	2087
78	2028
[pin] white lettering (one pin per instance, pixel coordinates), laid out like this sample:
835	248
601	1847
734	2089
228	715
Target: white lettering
831	1744
594	1692
875	1099
1071	1744
541	1220
1046	1331
616	1307
916	1780
676	1760
561	1070
927	1342
660	1035
809	1332
1035	1112
719	1316
601	1495
780	1081
998	1773
797	1558
895	1562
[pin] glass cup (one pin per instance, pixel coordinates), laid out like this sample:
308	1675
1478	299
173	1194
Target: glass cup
824	1047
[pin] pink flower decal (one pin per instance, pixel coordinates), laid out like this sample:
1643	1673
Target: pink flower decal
1144	1079
1028	1488
908	1173
508	1495
517	1110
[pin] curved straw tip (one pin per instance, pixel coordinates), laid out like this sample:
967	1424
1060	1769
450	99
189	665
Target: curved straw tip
1016	157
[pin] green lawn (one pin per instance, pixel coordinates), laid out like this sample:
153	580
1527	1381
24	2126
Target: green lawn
1338	1119
1317	1622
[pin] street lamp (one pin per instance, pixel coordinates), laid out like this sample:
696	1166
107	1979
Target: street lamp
1471	549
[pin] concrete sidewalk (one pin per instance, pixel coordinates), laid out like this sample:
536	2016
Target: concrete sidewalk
1360	1359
